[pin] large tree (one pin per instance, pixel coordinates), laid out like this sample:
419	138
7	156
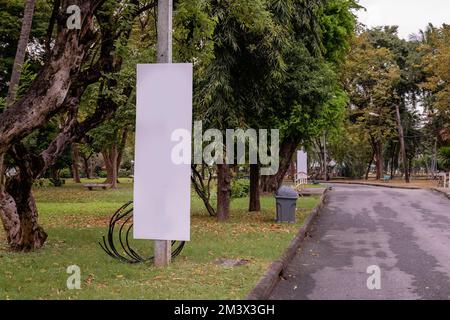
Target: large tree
17	66
247	56
310	100
436	85
80	64
370	77
406	88
78	58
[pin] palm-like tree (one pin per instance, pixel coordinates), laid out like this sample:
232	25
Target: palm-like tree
444	157
21	50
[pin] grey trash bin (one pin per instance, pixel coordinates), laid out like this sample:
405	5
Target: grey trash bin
286	199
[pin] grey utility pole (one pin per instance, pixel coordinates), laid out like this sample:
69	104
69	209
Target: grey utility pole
163	248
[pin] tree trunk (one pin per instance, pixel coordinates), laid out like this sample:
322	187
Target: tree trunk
223	192
292	170
2	169
379	159
392	168
18	210
54	177
75	163
121	150
91	164
110	158
320	154
20	219
203	190
368	167
254	204
325	158
393	163
410	172
287	149
434	159
87	166
203	171
402	143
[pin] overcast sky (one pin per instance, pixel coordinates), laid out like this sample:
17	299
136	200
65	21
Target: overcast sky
409	15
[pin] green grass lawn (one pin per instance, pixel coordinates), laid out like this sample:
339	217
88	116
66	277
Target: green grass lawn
76	219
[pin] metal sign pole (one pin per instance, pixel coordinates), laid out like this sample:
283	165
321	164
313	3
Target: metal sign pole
163	252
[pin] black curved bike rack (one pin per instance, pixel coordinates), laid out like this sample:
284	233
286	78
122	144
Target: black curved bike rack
122	219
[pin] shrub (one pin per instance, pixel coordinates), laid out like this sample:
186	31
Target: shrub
124	173
101	174
58	182
240	188
65	173
42	183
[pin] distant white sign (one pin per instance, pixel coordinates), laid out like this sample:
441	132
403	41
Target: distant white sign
162	187
302	162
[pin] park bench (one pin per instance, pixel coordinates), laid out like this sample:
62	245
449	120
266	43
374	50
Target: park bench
386	178
92	186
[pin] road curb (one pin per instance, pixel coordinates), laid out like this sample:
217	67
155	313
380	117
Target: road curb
441	192
270	279
373	185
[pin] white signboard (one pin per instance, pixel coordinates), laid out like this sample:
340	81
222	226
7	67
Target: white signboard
302	162
162	187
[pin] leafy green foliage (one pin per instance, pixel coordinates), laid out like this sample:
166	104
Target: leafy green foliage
309	100
11	13
436	83
247	58
444	157
279	70
193	30
240	188
43	183
370	75
338	26
351	152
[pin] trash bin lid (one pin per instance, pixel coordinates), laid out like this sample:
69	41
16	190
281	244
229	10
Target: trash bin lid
286	192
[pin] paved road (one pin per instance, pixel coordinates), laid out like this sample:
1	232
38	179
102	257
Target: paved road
404	232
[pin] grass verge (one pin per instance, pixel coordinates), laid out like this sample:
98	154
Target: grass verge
76	219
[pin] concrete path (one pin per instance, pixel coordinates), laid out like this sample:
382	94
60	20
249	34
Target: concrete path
406	233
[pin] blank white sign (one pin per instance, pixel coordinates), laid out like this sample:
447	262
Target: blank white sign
161	187
302	161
